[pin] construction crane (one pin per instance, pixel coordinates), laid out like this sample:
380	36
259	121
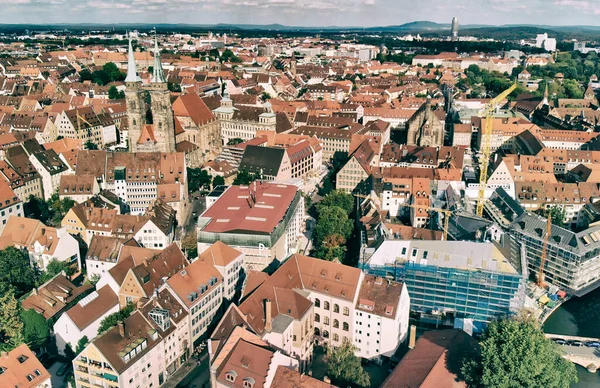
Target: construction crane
486	146
79	120
447	213
540	278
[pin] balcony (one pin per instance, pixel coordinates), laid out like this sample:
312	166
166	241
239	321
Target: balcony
82	369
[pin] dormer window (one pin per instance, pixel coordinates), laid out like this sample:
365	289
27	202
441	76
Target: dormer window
231	376
249	382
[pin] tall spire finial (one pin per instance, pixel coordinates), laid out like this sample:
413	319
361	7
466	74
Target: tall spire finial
131	69
545	101
158	74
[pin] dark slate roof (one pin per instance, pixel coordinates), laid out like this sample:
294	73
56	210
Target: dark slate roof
528	144
507	205
262	160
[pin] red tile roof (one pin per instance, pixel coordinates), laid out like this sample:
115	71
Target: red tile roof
259	207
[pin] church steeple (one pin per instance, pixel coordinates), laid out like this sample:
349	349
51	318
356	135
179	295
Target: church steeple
131	69
158	74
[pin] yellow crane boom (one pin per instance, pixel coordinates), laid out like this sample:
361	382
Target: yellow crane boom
540	279
486	146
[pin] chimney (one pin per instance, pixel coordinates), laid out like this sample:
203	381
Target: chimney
412	339
268	317
122	329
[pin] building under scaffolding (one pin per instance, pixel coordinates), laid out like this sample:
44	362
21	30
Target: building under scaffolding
460	278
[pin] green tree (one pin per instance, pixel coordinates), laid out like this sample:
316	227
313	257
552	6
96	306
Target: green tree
229	56
331	248
558	214
37	208
265	96
331	220
174	87
344	366
94	279
59	208
198	179
245	178
114	93
54	268
90	145
515	353
112	319
35	328
16	271
11	326
81	344
113	72
340	199
234	141
218	181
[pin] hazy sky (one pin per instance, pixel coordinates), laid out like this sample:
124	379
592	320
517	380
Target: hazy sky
301	12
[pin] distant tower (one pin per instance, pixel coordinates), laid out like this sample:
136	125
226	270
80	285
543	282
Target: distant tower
162	112
293	65
455	29
134	97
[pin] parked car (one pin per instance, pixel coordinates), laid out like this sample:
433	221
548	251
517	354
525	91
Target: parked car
592	344
559	341
576	343
47	360
64	369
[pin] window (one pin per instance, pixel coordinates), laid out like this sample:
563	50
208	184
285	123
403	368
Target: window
326	305
317	302
336	337
325	334
345	326
336	308
336	324
248	382
231	375
326	320
317	318
346	311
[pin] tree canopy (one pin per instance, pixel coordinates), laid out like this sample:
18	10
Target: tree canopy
198	179
54	268
50	212
35	328
218	181
115	94
11	326
229	56
344	366
16	272
90	145
333	226
109	73
340	199
515	353
112	319
245	178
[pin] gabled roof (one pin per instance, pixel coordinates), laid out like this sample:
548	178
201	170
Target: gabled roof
262	160
247	361
191	105
18	366
93	306
434	362
53	296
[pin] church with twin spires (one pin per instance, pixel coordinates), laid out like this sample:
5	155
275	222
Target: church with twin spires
151	128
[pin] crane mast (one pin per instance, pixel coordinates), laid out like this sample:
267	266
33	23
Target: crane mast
486	146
